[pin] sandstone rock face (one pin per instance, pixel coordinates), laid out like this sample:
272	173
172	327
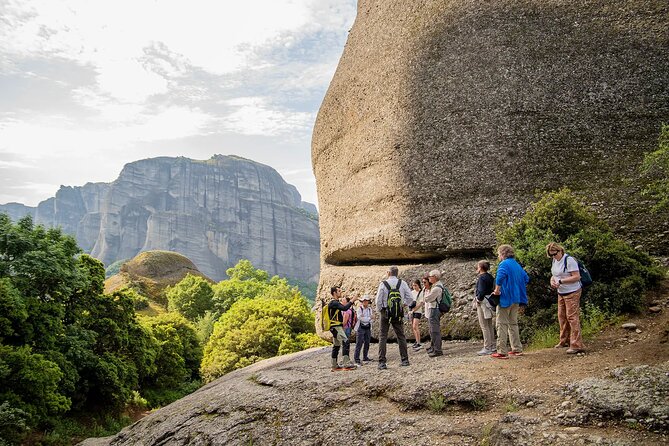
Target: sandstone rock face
442	116
459	275
214	212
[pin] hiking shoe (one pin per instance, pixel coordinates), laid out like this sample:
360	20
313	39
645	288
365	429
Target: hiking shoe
515	353
358	363
337	369
573	351
368	359
415	344
405	363
429	350
417	347
484	352
434	354
382	366
560	346
499	356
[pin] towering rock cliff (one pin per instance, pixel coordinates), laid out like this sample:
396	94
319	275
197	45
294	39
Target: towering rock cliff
444	116
214	212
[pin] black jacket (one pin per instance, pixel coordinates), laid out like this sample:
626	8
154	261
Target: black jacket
485	284
337	317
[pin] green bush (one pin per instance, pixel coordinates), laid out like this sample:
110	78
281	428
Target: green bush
655	173
179	353
621	274
254	329
192	297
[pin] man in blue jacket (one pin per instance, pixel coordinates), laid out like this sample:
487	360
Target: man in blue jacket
511	287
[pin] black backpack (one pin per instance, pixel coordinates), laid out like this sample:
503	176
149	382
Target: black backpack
395	307
586	278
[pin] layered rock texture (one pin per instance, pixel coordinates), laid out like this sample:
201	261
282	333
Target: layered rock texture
215	212
443	117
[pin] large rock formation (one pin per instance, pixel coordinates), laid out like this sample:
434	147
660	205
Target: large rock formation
444	116
214	212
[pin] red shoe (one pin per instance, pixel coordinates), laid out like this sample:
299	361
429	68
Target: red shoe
499	356
515	353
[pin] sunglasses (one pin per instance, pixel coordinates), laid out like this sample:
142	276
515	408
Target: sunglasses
553	254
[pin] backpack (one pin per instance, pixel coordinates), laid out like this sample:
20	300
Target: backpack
326	321
586	278
353	319
446	299
395	307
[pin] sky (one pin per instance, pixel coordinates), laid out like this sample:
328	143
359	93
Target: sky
88	86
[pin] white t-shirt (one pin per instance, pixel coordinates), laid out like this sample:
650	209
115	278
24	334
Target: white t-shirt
559	272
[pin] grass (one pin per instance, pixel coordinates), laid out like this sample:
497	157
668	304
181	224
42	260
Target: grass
593	321
511	406
436	402
153	309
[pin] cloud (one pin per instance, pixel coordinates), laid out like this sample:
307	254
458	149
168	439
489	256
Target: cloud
99	84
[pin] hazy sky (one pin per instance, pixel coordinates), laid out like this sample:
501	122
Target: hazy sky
88	86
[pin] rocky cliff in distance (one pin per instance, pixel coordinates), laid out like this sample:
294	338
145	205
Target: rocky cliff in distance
215	212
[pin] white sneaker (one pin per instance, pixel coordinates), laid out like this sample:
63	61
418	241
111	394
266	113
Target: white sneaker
484	352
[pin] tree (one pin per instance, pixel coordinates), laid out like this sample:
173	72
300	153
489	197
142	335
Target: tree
255	329
245	282
192	297
179	351
621	273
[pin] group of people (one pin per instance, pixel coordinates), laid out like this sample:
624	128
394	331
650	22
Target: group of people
498	302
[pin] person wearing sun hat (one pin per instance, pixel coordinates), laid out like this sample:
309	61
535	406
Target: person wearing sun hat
363	330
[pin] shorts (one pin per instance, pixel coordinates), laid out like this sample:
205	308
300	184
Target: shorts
417	315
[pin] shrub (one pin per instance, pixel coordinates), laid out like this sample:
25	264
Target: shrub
192	297
655	172
621	274
255	329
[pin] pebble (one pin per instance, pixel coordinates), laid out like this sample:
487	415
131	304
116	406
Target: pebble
572	430
638	331
565	404
631	420
627	414
655	309
530	404
629	326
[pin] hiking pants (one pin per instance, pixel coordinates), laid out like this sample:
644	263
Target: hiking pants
569	306
507	327
435	330
339	338
398	327
362	338
487	327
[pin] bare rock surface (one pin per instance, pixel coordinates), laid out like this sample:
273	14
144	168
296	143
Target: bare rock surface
442	116
459	275
458	399
215	212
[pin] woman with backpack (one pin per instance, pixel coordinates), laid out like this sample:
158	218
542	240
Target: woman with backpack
566	279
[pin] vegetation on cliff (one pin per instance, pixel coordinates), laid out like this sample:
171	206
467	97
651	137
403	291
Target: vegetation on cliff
621	273
655	172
